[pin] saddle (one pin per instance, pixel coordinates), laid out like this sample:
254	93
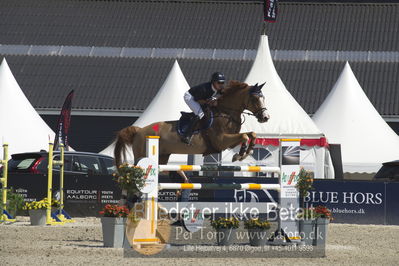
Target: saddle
186	118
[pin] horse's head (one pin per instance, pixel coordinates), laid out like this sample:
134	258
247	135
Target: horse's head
238	96
256	103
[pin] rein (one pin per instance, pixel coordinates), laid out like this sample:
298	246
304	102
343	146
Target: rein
256	114
228	116
261	110
241	122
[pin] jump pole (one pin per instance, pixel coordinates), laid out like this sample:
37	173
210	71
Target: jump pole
233	168
213	186
5	216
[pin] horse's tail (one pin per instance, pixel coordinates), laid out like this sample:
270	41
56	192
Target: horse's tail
123	138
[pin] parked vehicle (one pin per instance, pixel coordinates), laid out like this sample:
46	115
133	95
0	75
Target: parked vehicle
388	172
88	179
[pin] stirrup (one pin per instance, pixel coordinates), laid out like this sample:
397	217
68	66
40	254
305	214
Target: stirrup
187	139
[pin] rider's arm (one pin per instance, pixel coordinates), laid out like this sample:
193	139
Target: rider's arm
183	175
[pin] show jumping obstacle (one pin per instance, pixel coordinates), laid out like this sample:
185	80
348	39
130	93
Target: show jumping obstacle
5	216
146	234
52	218
60	216
219	168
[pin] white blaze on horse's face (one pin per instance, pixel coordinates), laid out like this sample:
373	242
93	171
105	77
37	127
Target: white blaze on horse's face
264	115
257	104
260	110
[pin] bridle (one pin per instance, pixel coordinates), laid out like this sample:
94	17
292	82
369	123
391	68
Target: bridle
258	113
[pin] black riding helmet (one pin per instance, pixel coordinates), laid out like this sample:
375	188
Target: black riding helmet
218	77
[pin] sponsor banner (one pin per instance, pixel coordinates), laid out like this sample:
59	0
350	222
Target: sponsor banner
150	176
392	203
359	202
290	168
289	195
84	195
168	195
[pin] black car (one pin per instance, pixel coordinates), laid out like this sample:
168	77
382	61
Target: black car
80	162
388	172
88	179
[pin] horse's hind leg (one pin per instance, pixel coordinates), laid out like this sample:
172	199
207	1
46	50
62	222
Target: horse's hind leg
164	158
139	150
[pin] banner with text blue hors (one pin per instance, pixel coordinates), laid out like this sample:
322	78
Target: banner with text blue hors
358	202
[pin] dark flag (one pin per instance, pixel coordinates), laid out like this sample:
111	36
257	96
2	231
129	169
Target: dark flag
64	120
270	10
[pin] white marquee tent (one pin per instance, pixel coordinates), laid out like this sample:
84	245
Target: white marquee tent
165	106
347	117
21	126
287	118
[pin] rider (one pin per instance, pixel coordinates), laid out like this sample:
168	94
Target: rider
206	93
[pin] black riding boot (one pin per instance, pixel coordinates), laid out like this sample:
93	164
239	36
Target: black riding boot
189	133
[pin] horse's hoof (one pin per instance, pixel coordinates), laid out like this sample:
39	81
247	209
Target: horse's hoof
236	157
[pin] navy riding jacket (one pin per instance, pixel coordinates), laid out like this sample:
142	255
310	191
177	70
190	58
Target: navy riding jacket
202	92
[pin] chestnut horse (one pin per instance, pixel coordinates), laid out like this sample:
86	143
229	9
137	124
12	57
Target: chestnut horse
223	133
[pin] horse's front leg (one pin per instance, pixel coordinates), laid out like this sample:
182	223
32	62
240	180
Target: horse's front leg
246	148
250	147
231	141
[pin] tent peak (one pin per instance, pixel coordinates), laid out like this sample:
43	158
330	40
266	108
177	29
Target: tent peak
4	61
349	118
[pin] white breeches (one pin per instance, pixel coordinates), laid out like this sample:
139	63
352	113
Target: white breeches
194	106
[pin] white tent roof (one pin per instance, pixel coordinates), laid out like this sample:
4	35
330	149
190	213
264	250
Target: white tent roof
347	117
21	126
165	106
287	118
169	101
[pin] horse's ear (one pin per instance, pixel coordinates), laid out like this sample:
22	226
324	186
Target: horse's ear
261	85
256	89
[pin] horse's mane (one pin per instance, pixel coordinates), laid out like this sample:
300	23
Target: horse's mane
234	86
